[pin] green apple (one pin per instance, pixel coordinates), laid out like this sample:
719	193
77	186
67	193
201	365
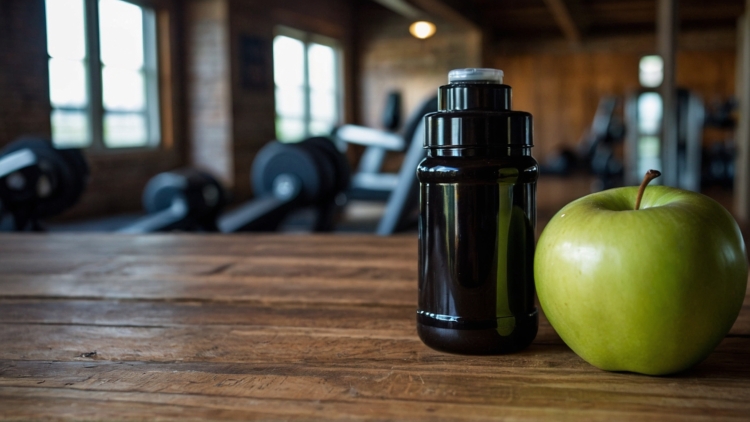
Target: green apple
651	290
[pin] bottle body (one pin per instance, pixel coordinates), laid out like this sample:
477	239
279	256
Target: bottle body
476	250
477	219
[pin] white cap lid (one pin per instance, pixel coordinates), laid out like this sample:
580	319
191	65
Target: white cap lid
475	74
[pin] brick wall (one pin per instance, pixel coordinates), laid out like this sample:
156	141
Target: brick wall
231	118
209	106
24	83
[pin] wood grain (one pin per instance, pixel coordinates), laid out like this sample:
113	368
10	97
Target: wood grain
185	327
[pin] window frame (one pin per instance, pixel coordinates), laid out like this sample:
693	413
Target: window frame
95	110
307	38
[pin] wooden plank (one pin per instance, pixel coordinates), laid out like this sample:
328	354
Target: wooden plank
229	269
441	10
110	313
541	388
207	265
21	403
303	289
51	254
226	343
260	344
91	246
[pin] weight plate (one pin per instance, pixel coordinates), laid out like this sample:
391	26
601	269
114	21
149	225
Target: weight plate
67	169
161	191
338	159
276	158
326	169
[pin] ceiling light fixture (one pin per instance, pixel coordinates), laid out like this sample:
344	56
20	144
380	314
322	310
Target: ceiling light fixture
422	29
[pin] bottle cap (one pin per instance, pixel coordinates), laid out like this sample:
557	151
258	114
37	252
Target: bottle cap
474	111
471	75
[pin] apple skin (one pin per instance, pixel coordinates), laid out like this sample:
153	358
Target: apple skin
652	291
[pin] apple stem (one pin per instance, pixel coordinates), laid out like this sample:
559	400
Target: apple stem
650	175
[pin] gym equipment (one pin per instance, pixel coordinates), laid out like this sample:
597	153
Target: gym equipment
597	150
38	181
717	164
399	190
719	156
606	131
392	111
369	182
643	148
185	200
402	208
289	176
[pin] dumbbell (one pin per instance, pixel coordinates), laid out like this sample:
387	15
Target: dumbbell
38	181
286	177
186	199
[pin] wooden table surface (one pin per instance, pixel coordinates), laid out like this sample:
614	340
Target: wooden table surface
289	327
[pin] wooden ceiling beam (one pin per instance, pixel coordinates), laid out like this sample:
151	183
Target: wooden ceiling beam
564	19
418	9
401	7
443	11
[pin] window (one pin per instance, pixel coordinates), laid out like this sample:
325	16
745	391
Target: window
102	74
651	71
307	81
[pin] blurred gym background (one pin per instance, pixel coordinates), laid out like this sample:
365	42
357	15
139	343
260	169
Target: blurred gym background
246	115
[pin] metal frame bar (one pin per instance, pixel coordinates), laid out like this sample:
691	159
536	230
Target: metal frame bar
666	28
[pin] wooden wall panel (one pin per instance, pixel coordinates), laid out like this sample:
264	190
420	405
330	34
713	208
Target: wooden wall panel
711	74
562	90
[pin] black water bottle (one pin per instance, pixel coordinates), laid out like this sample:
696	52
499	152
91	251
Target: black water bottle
477	220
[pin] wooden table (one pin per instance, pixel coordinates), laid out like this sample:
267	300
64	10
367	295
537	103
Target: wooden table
289	327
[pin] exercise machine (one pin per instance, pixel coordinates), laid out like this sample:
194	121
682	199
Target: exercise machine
38	181
291	176
183	200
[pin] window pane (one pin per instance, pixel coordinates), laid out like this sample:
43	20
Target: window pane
121	34
290	129
70	129
123	89
649	113
66	37
648	154
125	130
290	102
67	83
288	61
322	63
320	128
323	105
